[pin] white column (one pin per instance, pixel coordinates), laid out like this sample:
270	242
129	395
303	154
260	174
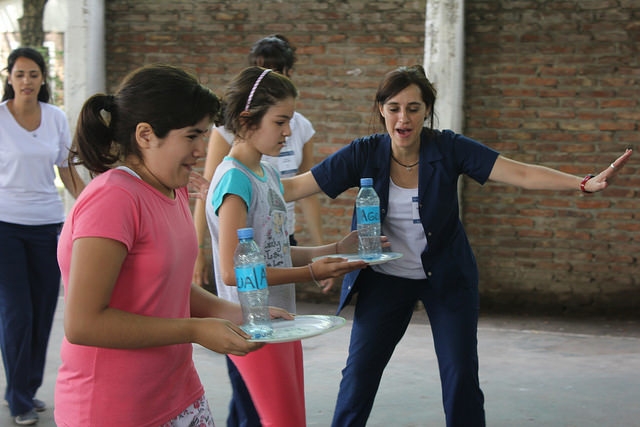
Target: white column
84	54
84	59
444	59
444	63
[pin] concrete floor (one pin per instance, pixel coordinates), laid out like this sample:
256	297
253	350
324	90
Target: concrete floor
534	371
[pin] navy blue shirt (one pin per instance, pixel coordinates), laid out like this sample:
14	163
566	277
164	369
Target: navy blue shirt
448	260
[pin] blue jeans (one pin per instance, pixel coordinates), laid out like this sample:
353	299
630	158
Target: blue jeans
29	289
383	310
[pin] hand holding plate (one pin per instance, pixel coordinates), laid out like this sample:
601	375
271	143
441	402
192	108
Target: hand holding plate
349	243
280	313
334	266
224	337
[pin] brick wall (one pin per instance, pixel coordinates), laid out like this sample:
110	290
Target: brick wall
343	48
555	83
550	82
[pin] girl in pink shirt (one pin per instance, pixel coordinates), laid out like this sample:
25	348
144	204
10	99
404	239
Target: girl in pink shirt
127	253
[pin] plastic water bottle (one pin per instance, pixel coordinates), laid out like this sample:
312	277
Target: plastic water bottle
368	221
251	280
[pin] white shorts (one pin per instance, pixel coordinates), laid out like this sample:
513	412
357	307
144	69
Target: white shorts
197	414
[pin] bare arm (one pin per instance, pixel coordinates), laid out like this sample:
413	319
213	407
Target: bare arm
311	205
71	180
233	215
206	304
218	148
324	268
300	186
535	177
89	320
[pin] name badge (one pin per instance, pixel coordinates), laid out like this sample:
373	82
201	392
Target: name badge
287	163
415	210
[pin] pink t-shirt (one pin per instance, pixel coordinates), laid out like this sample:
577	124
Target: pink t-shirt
142	387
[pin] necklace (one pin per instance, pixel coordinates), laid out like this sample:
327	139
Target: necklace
407	167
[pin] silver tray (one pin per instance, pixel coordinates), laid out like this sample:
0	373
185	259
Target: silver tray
302	326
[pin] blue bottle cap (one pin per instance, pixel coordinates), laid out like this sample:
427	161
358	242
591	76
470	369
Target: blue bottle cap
364	182
245	233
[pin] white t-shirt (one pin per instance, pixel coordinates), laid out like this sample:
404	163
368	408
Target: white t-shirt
290	158
28	195
407	236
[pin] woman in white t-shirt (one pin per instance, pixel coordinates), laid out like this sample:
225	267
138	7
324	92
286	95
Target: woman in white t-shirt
34	138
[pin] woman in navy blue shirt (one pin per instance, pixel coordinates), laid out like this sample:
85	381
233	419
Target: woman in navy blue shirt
415	170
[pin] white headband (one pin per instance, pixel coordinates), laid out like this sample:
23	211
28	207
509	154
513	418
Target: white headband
253	89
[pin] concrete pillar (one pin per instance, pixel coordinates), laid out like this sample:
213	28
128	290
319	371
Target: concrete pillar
444	63
444	59
84	58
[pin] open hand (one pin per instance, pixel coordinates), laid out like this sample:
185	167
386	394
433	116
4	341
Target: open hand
198	186
604	178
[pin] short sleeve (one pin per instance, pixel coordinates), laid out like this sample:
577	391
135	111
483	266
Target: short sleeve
108	212
305	128
475	159
232	182
228	136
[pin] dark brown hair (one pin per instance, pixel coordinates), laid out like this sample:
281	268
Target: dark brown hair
273	87
274	52
164	96
399	79
35	56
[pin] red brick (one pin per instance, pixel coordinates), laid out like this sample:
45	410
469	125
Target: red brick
557	87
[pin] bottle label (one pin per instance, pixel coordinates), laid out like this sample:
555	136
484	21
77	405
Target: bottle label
251	278
368	215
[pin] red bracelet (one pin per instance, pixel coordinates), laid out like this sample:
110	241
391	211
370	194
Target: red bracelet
584	181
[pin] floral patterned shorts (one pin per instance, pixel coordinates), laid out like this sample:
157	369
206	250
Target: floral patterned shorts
196	415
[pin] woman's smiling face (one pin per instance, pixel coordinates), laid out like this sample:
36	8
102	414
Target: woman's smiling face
172	158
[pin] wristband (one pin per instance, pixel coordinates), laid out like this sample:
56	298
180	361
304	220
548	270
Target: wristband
313	277
584	181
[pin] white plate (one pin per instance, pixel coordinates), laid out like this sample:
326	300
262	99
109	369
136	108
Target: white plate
385	257
303	326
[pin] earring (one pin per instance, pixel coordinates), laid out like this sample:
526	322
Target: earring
42	84
9	83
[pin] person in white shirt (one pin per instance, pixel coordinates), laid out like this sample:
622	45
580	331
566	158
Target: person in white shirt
34	137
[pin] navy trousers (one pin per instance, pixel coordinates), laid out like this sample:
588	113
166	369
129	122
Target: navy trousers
383	310
29	289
